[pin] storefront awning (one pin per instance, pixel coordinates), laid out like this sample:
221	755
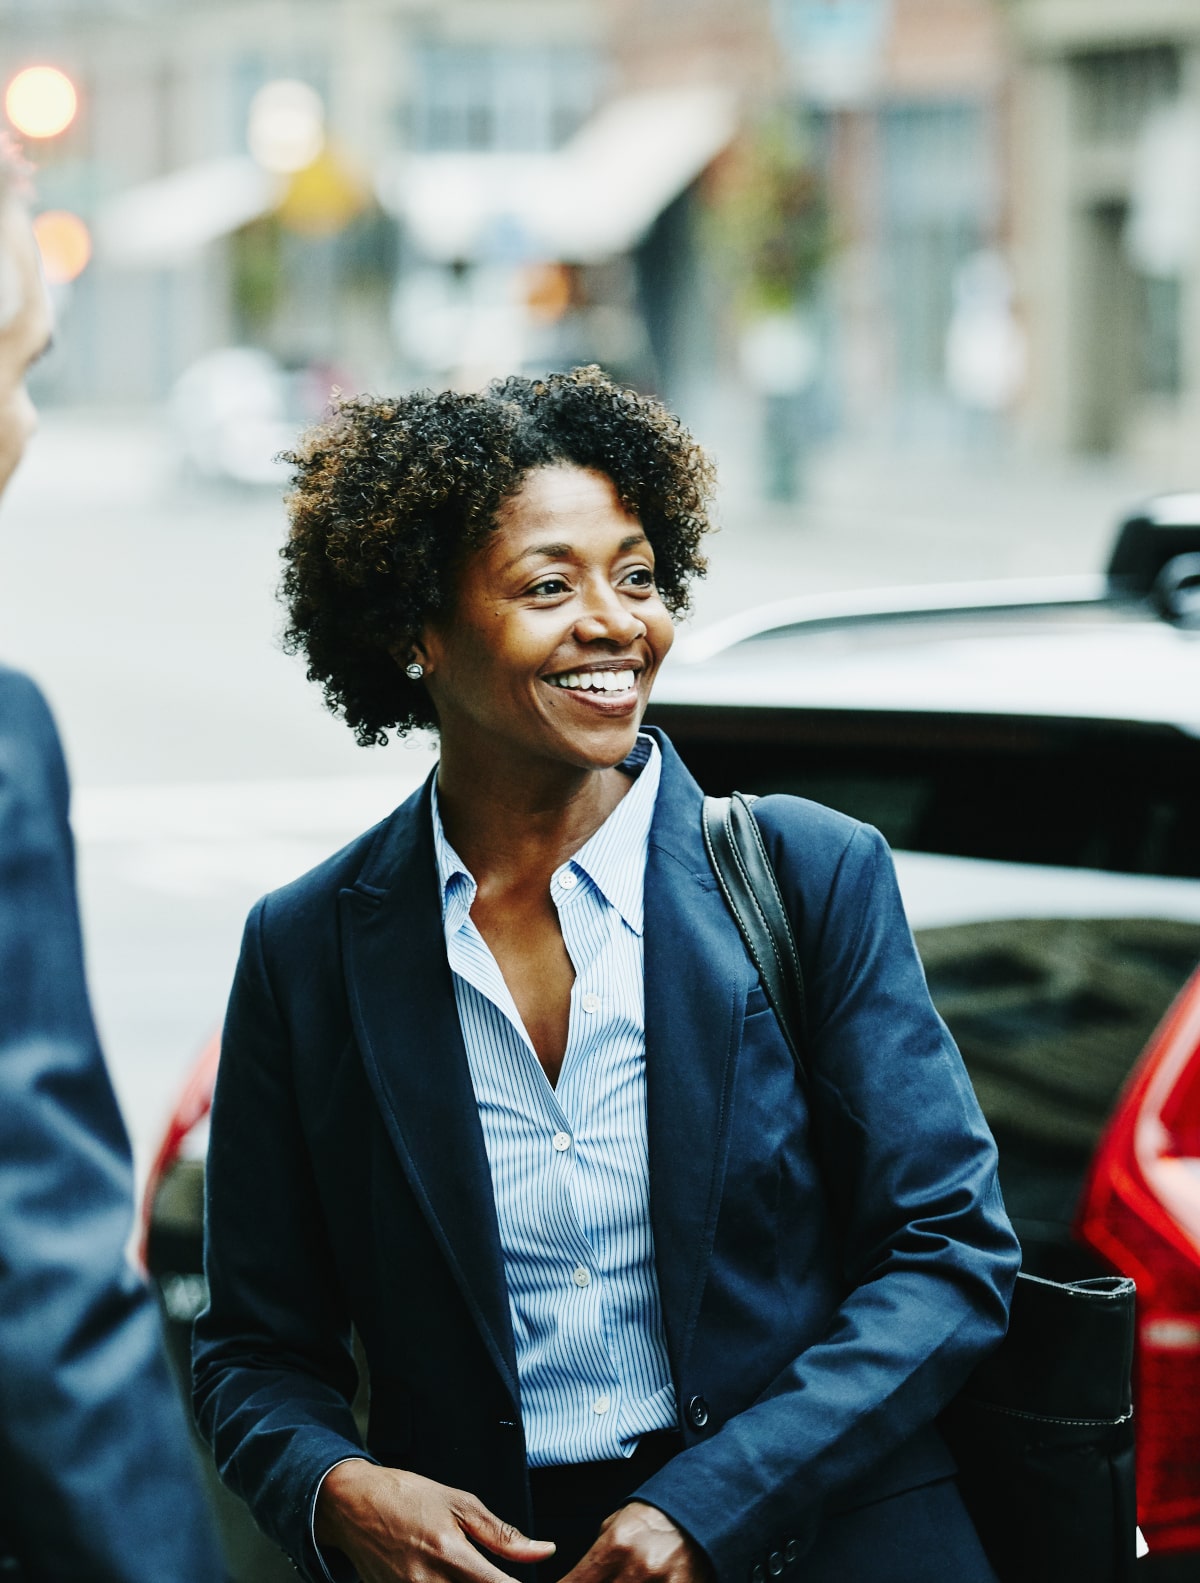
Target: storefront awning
165	221
594	198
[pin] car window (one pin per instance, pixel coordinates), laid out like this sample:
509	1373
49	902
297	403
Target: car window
1093	794
1050	1015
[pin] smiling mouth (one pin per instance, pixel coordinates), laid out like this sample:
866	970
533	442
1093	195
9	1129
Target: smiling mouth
608	684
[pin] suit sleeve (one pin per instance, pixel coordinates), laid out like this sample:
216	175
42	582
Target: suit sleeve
97	1475
273	1368
929	1257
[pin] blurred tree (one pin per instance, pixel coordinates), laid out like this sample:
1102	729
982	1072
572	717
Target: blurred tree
769	229
768	216
256	277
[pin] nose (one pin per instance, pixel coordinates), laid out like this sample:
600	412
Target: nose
607	618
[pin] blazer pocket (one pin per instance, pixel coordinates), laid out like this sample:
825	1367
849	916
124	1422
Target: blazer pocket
756	1001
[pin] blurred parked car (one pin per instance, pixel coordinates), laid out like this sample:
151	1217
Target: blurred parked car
235	409
1032	753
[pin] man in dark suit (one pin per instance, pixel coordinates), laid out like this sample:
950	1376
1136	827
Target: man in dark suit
97	1480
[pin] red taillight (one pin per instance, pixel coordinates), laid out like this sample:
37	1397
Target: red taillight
194	1105
1141	1212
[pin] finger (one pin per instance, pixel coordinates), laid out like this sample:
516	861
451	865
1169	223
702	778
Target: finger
638	1542
470	1566
600	1563
501	1538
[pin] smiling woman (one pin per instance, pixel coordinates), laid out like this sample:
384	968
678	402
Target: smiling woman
390	496
501	1085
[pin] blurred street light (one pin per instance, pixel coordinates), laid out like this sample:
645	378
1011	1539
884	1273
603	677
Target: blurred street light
286	128
65	245
41	101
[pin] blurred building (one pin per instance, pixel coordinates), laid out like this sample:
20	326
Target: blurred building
196	244
1107	140
916	139
793	217
449	220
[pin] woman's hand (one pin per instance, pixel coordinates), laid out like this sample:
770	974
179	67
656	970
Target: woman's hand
398	1527
640	1544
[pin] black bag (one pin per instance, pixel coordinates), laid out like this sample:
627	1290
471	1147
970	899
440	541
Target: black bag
1043	1429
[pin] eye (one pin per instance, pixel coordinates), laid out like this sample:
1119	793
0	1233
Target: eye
640	577
549	587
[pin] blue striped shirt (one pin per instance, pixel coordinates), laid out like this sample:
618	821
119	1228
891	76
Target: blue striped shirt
569	1163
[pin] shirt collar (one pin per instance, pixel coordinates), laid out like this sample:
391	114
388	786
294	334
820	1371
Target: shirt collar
613	858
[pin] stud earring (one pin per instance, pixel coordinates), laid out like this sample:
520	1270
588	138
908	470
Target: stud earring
414	671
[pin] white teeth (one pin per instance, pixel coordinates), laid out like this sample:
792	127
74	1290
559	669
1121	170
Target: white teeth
597	681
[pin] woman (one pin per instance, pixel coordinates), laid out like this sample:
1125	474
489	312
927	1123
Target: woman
499	1087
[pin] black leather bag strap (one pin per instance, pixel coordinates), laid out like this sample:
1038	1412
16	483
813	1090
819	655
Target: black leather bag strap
747	880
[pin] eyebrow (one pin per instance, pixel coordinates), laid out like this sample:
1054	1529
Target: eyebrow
564	552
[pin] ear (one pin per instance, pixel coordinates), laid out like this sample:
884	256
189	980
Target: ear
415	649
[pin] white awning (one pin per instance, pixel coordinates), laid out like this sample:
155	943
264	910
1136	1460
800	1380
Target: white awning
593	198
167	220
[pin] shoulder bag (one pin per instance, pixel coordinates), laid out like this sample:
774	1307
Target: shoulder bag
1043	1429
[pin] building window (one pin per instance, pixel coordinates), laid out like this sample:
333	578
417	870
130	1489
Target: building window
500	97
1161	372
1115	90
939	200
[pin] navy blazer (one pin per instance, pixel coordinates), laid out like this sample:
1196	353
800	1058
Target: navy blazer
831	1268
98	1482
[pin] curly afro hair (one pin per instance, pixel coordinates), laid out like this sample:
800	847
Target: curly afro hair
390	494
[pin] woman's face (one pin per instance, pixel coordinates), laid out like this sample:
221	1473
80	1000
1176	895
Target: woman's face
557	630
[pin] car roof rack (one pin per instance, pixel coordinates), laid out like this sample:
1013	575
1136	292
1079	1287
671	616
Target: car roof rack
1148	540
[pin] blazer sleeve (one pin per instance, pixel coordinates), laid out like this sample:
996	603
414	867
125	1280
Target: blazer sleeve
273	1369
97	1476
929	1257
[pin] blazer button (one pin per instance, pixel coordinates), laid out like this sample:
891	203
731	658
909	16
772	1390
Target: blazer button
758	1576
775	1563
790	1551
697	1411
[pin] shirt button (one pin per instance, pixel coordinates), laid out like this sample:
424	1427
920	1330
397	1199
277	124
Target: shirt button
600	1405
591	1003
582	1277
561	1141
568	880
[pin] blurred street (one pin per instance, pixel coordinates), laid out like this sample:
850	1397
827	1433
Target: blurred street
206	768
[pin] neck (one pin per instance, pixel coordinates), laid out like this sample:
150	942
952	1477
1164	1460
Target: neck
521	821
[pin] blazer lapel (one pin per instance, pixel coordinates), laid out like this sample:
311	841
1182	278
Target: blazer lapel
402	1003
697	979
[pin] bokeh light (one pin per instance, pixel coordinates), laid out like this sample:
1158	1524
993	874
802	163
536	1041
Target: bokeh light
65	244
547	292
286	128
41	101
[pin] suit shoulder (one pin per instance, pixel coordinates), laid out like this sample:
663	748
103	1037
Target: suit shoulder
817	848
22	702
33	772
310	897
811	825
322	882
